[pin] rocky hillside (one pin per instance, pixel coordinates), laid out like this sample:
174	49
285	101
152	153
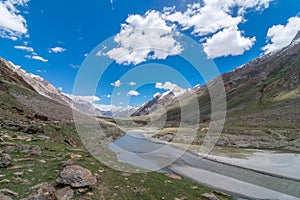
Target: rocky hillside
15	74
263	103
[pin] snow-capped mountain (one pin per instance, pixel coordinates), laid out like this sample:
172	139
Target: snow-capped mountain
165	100
15	74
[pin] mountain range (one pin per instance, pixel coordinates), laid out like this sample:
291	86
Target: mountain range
263	103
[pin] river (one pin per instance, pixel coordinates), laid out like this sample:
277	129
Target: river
242	183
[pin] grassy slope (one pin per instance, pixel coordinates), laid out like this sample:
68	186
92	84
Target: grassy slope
111	184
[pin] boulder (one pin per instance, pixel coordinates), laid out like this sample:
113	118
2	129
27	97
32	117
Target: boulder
33	129
65	193
76	176
4	160
22	148
45	192
10	126
209	196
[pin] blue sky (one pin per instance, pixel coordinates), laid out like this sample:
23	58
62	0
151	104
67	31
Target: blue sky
53	38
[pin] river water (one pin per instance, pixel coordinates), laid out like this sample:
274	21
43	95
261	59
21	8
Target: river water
134	149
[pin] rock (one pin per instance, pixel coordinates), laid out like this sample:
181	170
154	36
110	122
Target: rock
82	190
18	173
194	188
90	194
33	129
209	196
9	192
11	126
4	160
65	193
45	192
39	186
68	162
4	197
5	181
173	176
41	117
76	176
75	156
23	148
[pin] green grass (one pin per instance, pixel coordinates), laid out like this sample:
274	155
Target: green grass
111	184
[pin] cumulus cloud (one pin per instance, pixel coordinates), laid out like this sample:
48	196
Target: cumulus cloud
132	83
36	57
144	38
133	93
280	36
167	86
24	48
215	22
205	20
227	42
116	84
155	35
57	50
12	24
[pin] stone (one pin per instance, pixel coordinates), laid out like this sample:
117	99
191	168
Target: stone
75	156
18	173
4	197
173	176
209	196
45	192
76	176
68	162
9	192
32	129
5	181
10	126
65	193
23	148
4	160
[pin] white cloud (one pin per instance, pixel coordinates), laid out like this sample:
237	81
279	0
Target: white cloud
227	42
167	86
36	57
108	96
205	20
57	50
12	24
24	48
280	36
116	84
90	99
144	38
132	83
60	88
133	93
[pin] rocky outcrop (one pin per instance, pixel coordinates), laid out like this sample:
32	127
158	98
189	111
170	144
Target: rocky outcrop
23	148
4	160
76	176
